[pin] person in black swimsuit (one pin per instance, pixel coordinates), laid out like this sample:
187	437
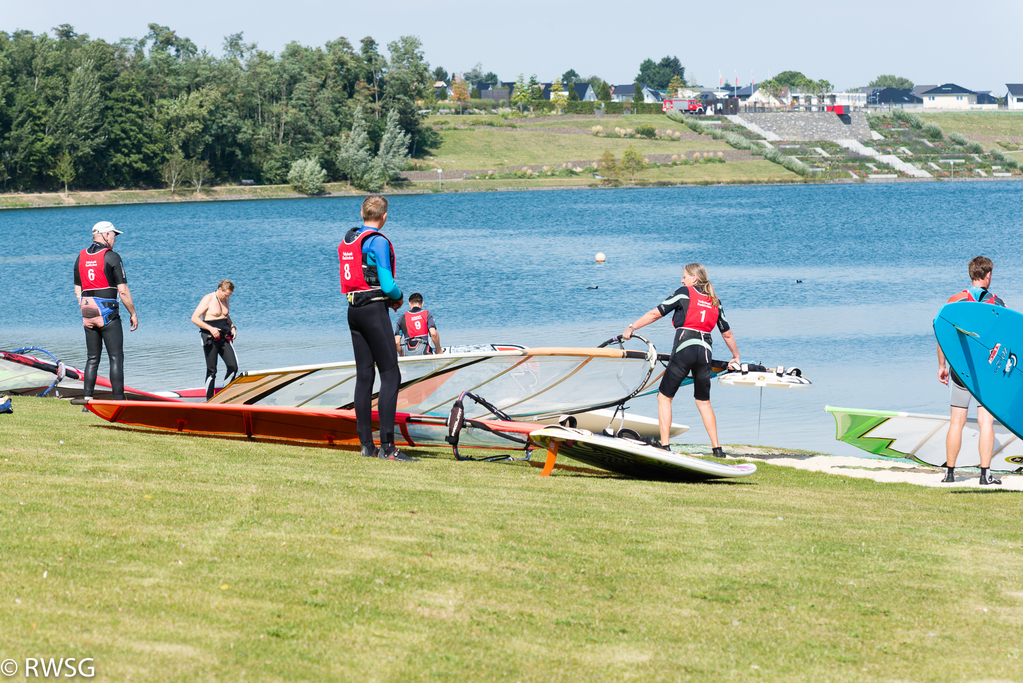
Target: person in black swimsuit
99	279
696	312
213	318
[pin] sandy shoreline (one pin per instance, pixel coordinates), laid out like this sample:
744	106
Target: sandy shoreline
885	470
48	200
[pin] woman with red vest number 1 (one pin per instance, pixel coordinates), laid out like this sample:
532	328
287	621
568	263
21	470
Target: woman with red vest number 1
696	311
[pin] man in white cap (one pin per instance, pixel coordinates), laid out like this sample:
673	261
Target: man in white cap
99	278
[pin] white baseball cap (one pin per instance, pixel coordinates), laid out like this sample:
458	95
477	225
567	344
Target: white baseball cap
105	226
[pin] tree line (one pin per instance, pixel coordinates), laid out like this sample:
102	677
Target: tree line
75	110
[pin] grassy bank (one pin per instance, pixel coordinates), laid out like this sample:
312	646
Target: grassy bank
993	124
168	558
497	149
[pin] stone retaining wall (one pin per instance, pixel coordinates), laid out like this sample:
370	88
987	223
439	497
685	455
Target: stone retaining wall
812	125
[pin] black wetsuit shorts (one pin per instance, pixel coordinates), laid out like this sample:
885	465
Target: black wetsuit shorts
694	358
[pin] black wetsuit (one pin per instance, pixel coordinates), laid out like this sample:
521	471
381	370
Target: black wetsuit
373	343
222	347
111	335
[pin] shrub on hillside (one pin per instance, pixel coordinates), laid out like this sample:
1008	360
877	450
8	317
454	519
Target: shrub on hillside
910	119
737	141
997	154
307	176
632	162
932	130
957	139
647	131
975	148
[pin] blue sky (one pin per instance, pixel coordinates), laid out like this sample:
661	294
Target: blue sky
972	44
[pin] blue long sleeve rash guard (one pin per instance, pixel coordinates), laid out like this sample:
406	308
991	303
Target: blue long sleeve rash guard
380	256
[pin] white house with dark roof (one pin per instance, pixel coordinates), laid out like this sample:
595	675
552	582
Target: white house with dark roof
1014	99
949	96
624	93
585	91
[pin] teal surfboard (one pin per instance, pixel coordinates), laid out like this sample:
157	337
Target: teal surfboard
981	343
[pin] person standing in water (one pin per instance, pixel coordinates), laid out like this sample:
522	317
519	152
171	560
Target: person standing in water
366	260
213	318
696	311
99	279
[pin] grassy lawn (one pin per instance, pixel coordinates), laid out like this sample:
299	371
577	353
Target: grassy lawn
1001	124
497	149
174	558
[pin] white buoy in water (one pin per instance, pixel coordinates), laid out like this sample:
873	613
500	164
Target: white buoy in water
600	257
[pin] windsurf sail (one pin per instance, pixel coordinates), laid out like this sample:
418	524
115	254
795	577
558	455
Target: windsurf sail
24	375
318	425
522	383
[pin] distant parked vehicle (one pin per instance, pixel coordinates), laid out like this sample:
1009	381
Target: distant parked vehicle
685	106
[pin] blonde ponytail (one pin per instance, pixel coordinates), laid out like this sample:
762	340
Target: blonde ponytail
703	282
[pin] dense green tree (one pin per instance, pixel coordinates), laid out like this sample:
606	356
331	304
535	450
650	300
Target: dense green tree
491	77
474	75
790	79
658	75
637	92
604	92
440	74
891	81
116	114
570	76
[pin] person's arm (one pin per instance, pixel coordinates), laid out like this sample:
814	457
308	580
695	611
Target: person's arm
729	338
436	340
942	368
129	304
78	294
650	316
397	342
382	256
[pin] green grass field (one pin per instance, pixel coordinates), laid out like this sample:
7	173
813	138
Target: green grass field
174	558
999	124
497	149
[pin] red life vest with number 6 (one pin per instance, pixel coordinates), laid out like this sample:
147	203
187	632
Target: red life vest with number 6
357	273
702	314
416	323
92	270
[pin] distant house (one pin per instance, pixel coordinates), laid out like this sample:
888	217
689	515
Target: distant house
1014	98
894	97
585	92
985	97
919	90
949	96
625	93
760	96
495	91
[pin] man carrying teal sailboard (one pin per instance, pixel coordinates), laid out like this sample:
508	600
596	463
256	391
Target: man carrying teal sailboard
981	269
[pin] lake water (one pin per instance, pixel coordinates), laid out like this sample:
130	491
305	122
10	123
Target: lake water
876	263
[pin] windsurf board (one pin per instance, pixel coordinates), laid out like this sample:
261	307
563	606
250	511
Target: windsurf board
921	438
980	342
631	458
